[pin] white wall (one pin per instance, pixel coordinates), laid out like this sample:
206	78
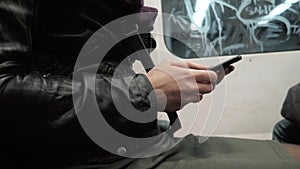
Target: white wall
254	91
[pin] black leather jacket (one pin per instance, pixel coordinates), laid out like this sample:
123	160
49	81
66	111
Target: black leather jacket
291	105
39	44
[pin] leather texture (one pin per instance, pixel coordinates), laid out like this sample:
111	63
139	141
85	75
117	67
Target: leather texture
39	44
291	105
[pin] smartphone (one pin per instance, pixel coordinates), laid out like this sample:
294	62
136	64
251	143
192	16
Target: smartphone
226	63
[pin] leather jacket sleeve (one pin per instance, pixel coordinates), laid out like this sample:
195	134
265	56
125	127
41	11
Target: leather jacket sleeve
32	103
291	106
27	98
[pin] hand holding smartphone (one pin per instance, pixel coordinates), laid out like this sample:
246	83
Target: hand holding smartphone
225	64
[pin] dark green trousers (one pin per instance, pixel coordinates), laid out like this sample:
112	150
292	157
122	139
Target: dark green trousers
215	153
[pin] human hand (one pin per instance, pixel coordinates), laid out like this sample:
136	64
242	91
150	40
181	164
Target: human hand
178	83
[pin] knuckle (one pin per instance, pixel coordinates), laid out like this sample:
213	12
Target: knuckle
190	63
169	60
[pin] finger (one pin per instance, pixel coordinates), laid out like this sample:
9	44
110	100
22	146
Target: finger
194	65
205	88
178	63
203	76
197	98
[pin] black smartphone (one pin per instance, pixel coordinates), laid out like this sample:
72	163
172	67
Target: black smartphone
226	63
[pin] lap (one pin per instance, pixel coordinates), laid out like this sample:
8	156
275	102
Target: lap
215	153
